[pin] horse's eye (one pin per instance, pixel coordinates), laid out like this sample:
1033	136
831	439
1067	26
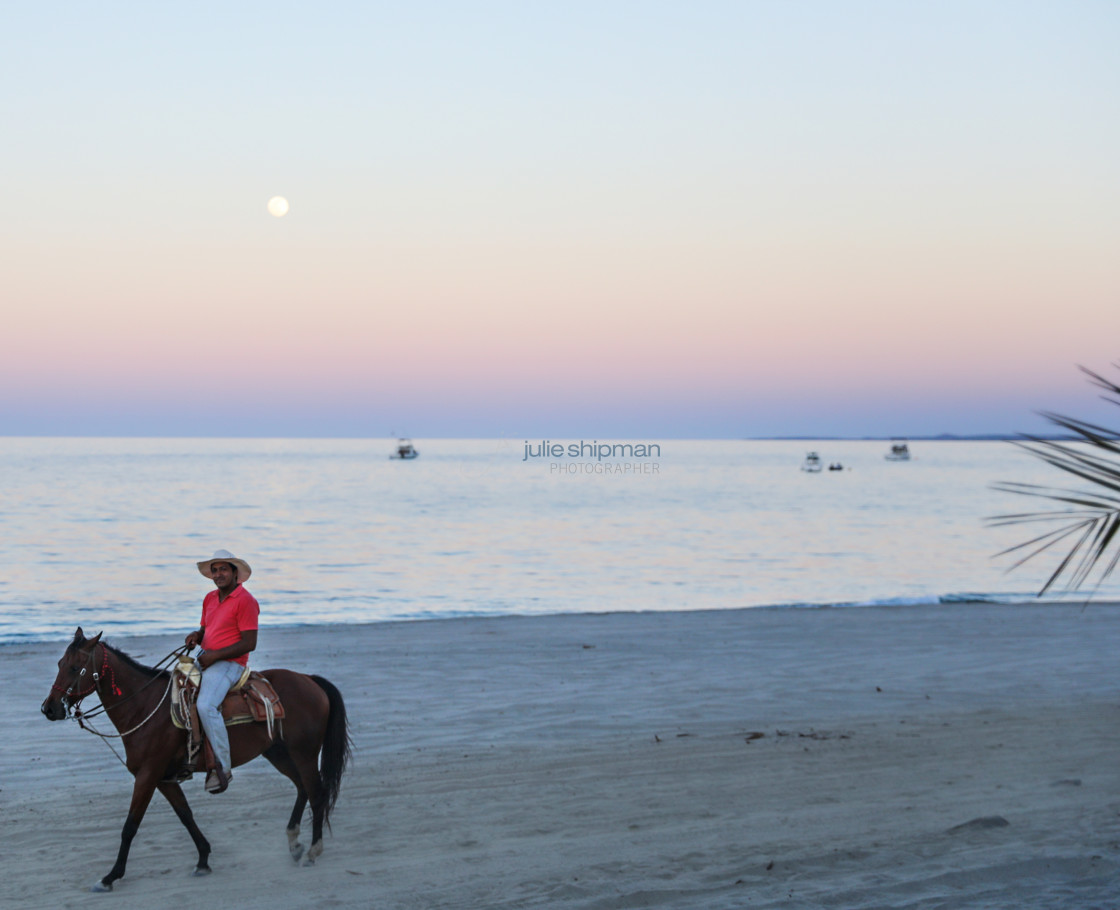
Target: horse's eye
74	668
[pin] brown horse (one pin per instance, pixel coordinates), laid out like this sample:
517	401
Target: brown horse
155	750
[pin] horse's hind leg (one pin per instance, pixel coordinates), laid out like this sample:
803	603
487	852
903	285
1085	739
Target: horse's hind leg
294	846
304	772
278	755
318	798
174	795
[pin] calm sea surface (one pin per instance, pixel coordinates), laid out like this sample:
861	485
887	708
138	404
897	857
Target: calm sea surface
105	532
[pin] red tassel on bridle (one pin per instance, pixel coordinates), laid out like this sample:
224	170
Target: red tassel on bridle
112	677
107	670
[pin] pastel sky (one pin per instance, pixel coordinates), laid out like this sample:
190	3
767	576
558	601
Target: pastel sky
611	219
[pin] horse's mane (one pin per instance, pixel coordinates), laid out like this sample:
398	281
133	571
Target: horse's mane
127	658
136	665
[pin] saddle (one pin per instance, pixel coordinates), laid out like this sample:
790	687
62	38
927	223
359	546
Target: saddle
252	699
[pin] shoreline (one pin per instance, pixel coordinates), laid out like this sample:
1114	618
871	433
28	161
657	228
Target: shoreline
610	760
901	603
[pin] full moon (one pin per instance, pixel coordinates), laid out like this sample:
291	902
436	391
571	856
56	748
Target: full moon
278	206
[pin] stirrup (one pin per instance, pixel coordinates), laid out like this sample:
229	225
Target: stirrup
217	781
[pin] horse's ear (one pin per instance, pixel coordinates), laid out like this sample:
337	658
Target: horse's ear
79	636
96	638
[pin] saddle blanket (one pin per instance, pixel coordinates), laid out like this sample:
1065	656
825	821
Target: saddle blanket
252	701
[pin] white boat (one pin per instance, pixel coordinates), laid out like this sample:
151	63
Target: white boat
900	451
405	450
812	463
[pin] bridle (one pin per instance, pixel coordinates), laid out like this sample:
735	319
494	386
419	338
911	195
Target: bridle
106	674
95	680
73	712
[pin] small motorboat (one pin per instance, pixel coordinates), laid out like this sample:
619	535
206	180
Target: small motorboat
900	451
812	463
836	466
405	450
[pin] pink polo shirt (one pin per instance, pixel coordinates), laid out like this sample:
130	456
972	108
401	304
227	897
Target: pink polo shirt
224	621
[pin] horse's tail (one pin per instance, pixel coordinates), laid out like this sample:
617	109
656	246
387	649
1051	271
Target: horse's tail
336	746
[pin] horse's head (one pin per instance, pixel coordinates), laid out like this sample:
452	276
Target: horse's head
76	676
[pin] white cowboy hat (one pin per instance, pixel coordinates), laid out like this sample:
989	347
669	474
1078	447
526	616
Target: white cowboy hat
243	570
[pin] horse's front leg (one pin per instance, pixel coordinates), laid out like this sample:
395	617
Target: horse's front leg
142	790
174	795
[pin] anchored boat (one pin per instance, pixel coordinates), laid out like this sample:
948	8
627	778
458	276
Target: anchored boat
405	450
900	451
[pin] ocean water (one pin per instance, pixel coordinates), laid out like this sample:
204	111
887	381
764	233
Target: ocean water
105	532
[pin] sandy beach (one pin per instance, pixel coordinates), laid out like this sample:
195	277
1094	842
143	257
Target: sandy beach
937	757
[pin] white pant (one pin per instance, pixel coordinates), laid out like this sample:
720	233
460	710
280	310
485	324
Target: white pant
216	682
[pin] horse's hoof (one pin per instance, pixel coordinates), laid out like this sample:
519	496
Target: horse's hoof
201	870
312	854
100	887
297	852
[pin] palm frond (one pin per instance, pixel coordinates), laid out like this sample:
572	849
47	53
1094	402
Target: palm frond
1101	383
1091	528
1050	538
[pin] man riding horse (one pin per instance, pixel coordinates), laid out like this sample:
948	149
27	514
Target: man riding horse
227	633
312	750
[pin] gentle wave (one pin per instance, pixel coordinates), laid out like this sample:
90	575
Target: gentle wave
129	628
105	533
